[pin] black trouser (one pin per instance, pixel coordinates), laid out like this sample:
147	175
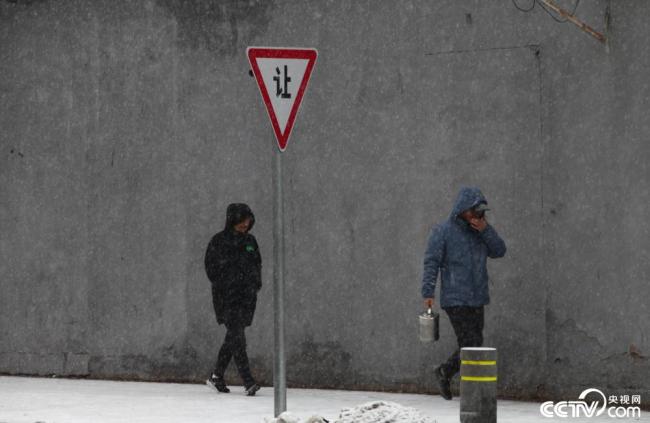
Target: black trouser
234	346
468	326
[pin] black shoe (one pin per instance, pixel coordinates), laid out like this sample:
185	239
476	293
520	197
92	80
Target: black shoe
251	389
217	383
443	383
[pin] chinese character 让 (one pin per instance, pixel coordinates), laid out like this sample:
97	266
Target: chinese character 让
282	91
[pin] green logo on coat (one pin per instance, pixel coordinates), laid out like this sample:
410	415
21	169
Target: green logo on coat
250	248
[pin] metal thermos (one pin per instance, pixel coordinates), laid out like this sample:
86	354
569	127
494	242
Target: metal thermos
429	326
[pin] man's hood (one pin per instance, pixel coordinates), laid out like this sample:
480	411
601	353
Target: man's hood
468	197
237	213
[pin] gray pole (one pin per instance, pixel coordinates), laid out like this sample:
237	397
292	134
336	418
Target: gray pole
279	367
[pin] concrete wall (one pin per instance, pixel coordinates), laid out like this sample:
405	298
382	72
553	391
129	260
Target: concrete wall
127	127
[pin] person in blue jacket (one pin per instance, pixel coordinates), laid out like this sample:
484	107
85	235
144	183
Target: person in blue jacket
458	249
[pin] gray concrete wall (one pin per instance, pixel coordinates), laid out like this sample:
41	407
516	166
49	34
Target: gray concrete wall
127	127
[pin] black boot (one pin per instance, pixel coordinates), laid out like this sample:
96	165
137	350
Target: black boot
217	383
443	383
252	389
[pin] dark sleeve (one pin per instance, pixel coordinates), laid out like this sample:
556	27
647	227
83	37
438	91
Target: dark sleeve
216	259
258	266
496	247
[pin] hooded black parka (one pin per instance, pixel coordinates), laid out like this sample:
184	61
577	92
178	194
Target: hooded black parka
234	266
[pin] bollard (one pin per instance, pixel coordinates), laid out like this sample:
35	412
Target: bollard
478	385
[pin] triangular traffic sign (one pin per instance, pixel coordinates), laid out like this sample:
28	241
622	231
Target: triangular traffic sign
282	75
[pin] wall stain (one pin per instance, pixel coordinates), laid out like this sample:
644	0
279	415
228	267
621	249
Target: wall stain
177	361
172	363
224	27
9	8
21	155
25	2
635	353
323	364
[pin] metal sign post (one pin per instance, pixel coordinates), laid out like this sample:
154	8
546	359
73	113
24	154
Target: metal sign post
279	365
282	75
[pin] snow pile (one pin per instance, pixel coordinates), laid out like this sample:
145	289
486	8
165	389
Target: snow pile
382	412
370	412
287	417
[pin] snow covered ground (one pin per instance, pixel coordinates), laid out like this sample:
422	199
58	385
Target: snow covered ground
47	400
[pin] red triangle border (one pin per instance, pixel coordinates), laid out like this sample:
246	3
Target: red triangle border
254	53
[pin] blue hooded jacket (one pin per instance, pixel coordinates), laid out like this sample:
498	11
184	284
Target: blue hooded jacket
460	253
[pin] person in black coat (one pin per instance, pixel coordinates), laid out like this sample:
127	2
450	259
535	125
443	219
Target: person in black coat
233	265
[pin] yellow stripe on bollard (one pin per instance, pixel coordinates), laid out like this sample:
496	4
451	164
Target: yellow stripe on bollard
479	378
479	363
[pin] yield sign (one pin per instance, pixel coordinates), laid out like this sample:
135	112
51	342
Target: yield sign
282	75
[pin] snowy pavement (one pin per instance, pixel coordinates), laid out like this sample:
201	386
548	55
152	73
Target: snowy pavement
48	400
